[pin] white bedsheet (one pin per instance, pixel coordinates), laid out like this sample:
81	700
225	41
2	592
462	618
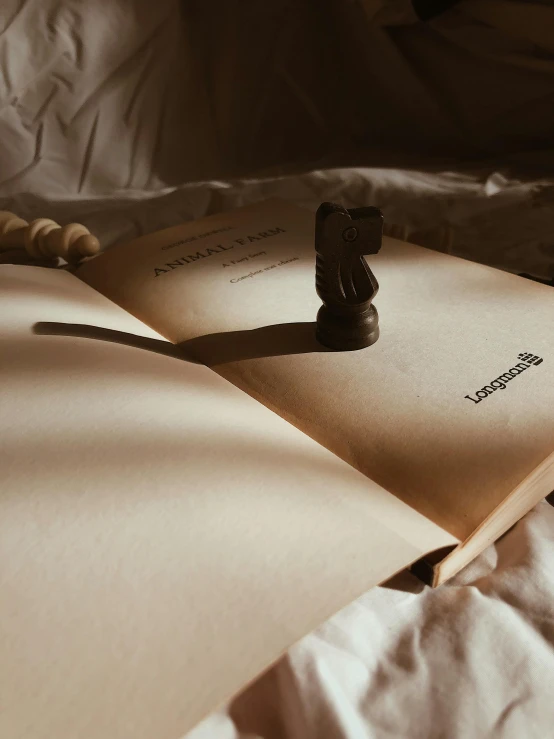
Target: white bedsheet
472	659
482	215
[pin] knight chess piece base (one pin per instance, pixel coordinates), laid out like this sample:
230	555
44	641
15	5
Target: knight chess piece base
348	331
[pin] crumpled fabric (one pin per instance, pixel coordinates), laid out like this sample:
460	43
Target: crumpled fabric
98	96
483	215
471	659
140	95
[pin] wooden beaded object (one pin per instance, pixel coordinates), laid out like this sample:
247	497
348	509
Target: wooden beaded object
43	238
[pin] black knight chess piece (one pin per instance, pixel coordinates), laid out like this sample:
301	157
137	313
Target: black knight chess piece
347	320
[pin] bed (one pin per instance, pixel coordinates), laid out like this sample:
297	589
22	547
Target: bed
131	116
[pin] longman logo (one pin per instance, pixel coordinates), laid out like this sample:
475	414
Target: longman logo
526	360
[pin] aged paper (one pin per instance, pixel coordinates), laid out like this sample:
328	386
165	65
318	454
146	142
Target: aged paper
163	537
450	410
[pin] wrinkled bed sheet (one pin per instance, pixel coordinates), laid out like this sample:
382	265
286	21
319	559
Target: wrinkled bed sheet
474	658
481	215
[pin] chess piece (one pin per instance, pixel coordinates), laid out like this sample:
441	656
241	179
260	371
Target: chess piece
347	320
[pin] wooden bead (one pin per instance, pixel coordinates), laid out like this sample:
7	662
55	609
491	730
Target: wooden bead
10	222
71	242
13	239
44	238
12	229
86	245
58	241
34	236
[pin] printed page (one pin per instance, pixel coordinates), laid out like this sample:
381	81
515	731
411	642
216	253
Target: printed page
450	410
163	536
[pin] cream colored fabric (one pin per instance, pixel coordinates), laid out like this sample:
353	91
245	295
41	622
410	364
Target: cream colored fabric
483	215
98	96
472	659
140	95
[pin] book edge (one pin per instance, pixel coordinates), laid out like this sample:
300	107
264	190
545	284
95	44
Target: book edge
523	498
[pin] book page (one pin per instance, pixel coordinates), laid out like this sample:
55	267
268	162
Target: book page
450	410
163	537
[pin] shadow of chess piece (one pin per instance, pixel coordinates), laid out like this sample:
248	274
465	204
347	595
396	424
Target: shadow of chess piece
347	320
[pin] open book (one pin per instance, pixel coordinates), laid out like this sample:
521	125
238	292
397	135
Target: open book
191	483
